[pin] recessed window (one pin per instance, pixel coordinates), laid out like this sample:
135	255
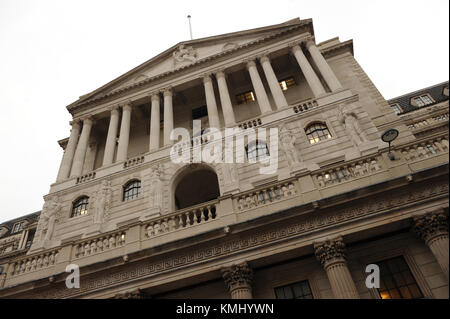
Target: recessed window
397	109
17	227
317	132
257	150
397	281
287	83
80	206
299	290
423	100
246	97
132	190
199	112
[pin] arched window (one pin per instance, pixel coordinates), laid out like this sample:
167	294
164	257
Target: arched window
80	206
132	190
257	149
317	132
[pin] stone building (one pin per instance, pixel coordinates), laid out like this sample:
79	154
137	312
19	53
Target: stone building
139	225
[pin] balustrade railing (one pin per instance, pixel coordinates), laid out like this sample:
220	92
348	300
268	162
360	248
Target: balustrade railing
100	244
86	177
35	262
425	149
134	161
305	106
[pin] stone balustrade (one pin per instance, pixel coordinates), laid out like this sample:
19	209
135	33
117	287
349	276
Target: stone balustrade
251	123
134	161
99	244
34	262
86	177
183	218
429	121
266	196
425	149
348	171
305	106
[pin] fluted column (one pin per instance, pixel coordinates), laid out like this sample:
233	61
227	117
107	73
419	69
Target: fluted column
155	119
80	153
227	107
110	145
66	163
274	85
213	114
323	66
124	137
433	229
331	254
168	116
238	279
308	72
260	91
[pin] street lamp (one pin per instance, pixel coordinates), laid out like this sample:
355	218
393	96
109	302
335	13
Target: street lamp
388	136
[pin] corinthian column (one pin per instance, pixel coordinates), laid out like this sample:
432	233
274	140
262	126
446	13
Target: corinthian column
308	72
238	279
213	114
168	116
258	86
80	153
323	66
331	254
274	85
225	100
433	229
110	145
124	137
154	123
67	159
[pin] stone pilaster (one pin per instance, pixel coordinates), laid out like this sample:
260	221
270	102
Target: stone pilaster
238	279
331	254
433	229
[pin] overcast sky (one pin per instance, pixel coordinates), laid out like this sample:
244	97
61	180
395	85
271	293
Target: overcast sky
51	52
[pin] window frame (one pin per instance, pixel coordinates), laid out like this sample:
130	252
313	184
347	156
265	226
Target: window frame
21	224
287	85
397	108
422	102
134	195
290	285
257	149
75	206
308	139
245	99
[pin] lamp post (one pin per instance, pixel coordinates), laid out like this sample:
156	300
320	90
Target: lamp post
388	136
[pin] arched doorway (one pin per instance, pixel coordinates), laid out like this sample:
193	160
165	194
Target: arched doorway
195	185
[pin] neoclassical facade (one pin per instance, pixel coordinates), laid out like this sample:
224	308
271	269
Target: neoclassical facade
140	225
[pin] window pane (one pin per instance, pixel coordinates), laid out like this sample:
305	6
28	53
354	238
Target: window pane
299	290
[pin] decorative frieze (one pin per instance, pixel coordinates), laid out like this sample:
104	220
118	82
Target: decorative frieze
251	123
305	106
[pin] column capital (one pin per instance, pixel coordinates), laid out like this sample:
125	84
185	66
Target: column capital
431	225
154	95
126	106
87	120
220	73
113	108
75	123
309	42
238	276
330	251
206	77
250	62
168	91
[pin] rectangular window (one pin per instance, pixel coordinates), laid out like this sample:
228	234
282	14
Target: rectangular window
287	83
419	101
17	227
396	280
299	290
199	112
396	108
245	97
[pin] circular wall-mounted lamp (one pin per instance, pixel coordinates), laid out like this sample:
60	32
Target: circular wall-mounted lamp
388	136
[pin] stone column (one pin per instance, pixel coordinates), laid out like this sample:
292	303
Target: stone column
213	114
323	66
80	153
168	116
258	86
308	72
110	145
124	137
331	254
69	152
433	229
274	85
225	100
238	279
155	119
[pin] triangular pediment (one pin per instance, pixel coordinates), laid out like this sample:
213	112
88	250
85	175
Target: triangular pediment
185	54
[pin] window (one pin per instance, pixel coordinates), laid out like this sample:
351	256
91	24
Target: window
256	150
30	238
397	281
423	100
287	83
199	112
245	97
132	190
80	206
17	227
299	290
317	132
397	109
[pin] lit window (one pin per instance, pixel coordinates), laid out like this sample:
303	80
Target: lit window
317	132
396	108
132	190
80	206
397	281
285	84
299	290
257	150
17	227
245	97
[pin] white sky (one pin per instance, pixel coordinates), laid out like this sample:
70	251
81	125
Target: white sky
51	52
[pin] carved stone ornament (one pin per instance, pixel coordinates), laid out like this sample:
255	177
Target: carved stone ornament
49	217
184	54
287	140
103	202
134	294
350	121
430	225
238	276
156	187
329	251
